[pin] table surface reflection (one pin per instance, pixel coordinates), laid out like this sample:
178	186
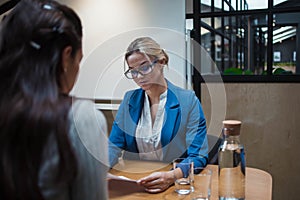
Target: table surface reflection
258	182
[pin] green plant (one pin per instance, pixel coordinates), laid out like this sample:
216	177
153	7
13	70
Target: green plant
237	71
279	71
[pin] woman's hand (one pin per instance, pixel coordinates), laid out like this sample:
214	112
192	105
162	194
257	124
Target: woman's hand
157	181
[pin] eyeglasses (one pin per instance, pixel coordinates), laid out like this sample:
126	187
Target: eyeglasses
142	70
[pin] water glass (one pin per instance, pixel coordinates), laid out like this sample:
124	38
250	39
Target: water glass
184	185
202	184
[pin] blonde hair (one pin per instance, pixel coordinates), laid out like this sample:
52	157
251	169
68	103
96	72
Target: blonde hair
148	46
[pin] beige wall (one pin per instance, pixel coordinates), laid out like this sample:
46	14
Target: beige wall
270	131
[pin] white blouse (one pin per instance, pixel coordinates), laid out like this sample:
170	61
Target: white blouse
148	137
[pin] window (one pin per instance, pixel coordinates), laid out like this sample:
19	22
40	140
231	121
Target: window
247	40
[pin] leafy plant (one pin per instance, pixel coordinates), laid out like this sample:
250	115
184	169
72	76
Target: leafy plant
237	71
279	71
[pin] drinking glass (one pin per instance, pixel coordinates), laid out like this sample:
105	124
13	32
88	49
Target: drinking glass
201	184
184	185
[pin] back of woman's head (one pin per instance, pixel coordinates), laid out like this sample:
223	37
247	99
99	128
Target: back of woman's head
32	38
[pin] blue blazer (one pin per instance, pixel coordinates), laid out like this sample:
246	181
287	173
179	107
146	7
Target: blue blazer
183	132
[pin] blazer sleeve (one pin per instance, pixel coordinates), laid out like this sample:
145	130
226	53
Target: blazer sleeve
196	138
117	141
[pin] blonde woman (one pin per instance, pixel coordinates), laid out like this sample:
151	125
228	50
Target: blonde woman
159	121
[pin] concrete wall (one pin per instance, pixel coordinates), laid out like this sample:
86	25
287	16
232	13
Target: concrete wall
270	131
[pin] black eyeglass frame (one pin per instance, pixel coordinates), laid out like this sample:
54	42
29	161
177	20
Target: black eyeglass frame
139	71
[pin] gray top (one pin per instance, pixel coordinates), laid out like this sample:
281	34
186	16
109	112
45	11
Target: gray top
88	135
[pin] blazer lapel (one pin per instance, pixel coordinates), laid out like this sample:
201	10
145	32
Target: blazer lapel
135	109
172	117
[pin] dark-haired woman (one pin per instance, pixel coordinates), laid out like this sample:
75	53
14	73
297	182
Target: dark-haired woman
52	146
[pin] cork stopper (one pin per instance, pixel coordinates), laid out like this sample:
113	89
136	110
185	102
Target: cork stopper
231	127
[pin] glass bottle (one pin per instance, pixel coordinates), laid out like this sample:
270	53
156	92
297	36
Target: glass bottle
231	159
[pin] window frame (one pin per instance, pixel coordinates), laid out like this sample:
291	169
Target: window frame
269	77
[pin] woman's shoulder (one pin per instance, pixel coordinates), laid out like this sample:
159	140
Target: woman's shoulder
180	92
135	93
88	127
85	109
82	102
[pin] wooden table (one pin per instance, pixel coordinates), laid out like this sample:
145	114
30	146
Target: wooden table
258	182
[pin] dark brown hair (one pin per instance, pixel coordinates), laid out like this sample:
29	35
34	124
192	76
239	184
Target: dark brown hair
32	38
